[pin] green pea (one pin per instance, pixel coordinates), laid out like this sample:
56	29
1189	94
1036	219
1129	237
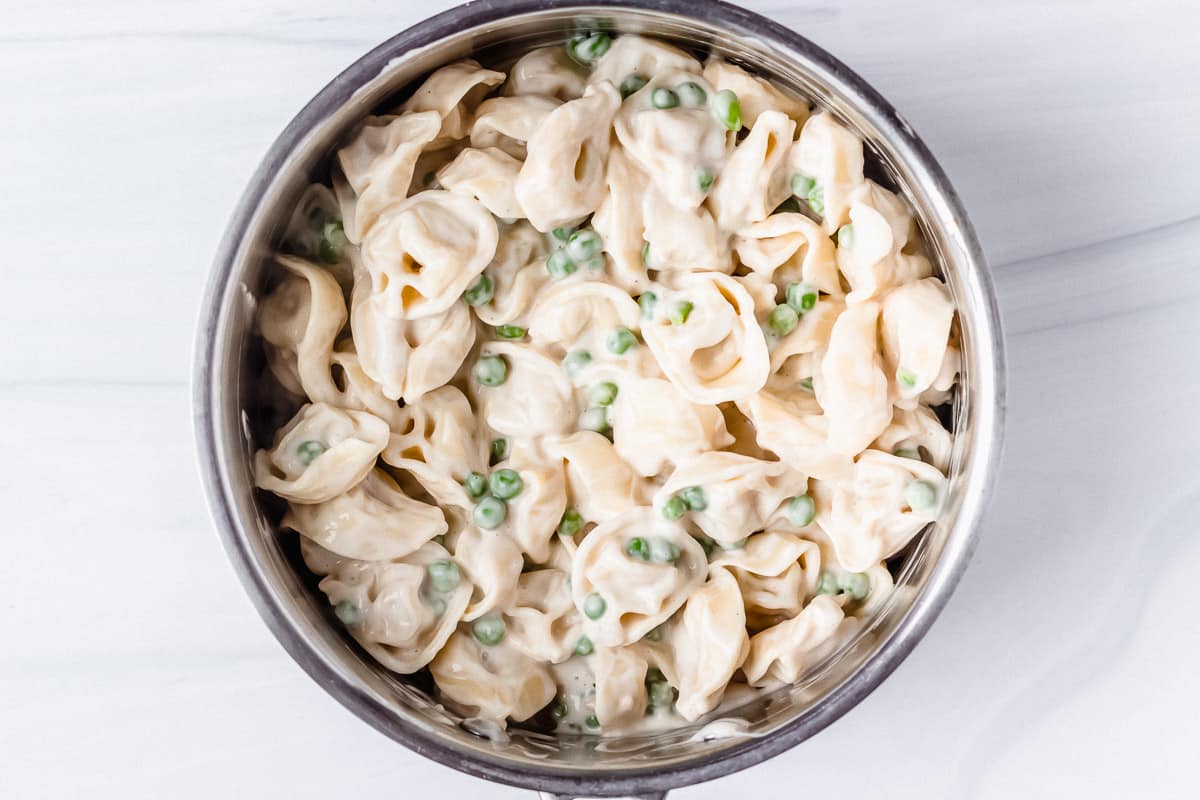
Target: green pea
802	185
647	301
506	483
646	256
828	584
481	292
570	524
488	630
693	497
490	371
691	93
510	331
562	234
674	507
631	84
576	360
921	495
816	199
801	510
603	394
588	49
584	244
333	242
660	694
595	419
783	320
347	612
806	384
620	340
845	236
559	265
443	575
663	98
906	378
592	721
663	551
490	513
594	606
855	584
704	179
681	312
907	452
475	484
594	263
437	605
558	710
584	646
638	548
727	109
308	451
802	297
499	449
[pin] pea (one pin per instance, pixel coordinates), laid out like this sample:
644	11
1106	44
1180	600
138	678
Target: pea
647	301
570	524
801	185
347	612
816	199
583	245
620	340
562	234
490	513
681	312
488	630
664	98
558	710
333	242
802	297
588	49
506	484
827	584
490	371
584	646
691	93
437	605
594	263
595	419
603	394
704	179
660	694
594	606
475	484
576	360
631	84
510	331
801	510
481	292
308	451
443	575
592	721
845	236
646	256
921	495
663	551
906	378
499	449
638	549
855	584
693	497
727	109
559	265
783	320
674	507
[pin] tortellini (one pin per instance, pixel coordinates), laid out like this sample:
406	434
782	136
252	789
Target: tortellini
617	385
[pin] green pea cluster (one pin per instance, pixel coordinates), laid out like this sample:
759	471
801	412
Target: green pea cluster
690	499
799	299
442	578
855	585
654	549
574	249
492	495
808	190
660	695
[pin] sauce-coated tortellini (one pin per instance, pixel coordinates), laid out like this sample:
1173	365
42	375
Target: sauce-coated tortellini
616	385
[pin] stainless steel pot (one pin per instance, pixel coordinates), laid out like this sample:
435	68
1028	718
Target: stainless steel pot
569	767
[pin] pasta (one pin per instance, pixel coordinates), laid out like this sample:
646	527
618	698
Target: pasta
613	384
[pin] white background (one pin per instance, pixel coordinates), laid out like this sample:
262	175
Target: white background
1067	664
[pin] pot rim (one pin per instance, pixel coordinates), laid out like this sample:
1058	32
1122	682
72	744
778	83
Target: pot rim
943	576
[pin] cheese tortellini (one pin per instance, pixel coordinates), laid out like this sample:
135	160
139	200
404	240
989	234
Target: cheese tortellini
613	382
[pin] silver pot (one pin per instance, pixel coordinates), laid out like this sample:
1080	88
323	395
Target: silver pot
569	767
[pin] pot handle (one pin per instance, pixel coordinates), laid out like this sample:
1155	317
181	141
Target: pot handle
643	796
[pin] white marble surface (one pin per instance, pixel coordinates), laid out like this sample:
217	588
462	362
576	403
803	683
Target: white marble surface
132	664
